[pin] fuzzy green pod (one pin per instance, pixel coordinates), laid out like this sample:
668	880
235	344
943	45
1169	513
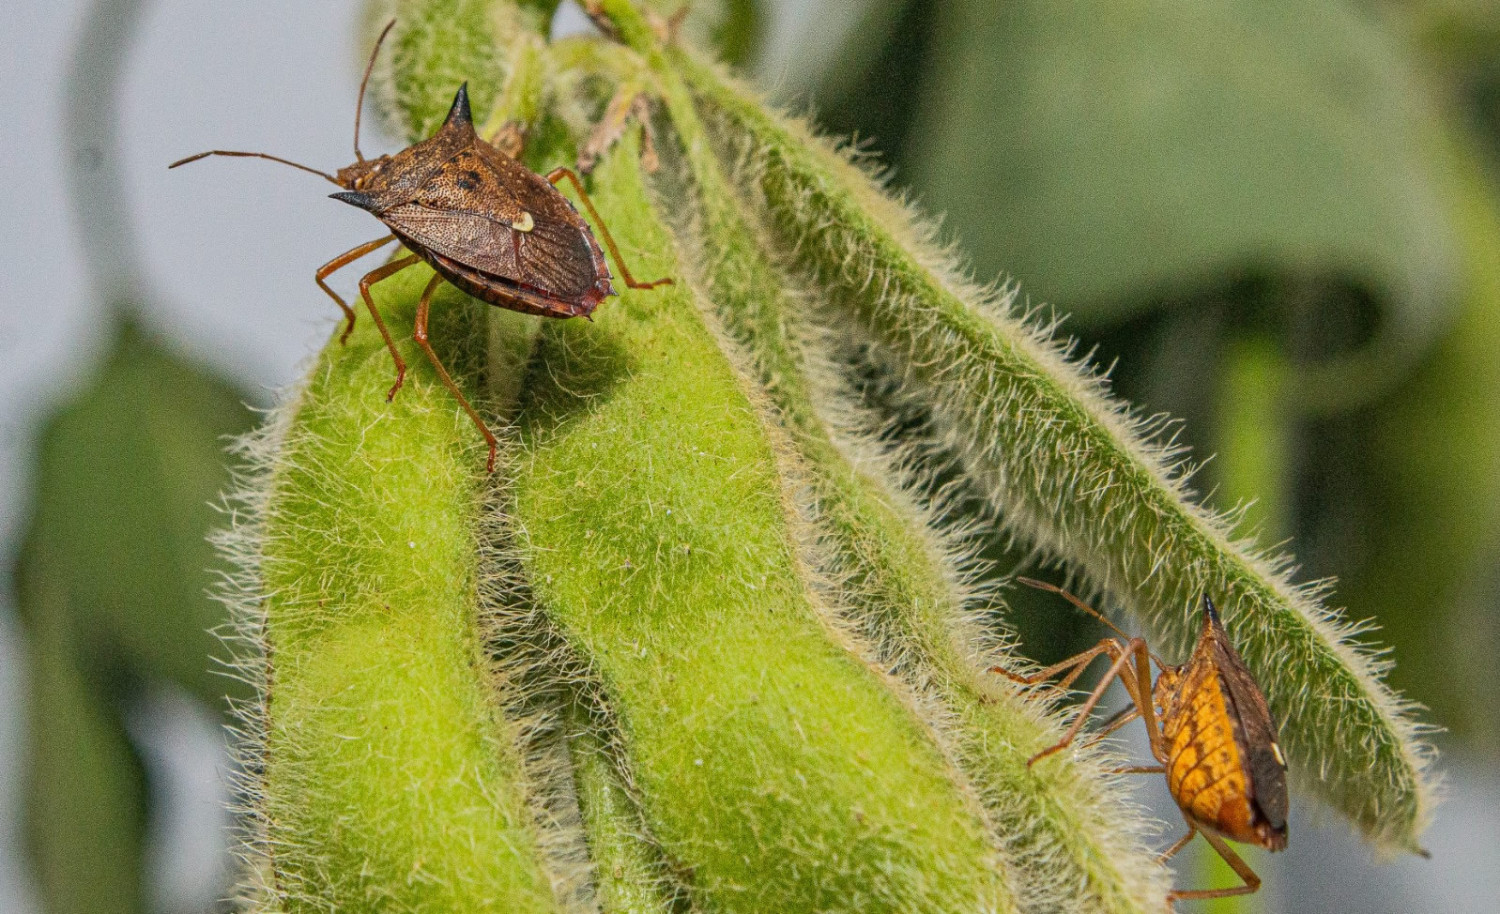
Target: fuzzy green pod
693	647
902	581
771	763
1068	469
385	770
379	764
630	871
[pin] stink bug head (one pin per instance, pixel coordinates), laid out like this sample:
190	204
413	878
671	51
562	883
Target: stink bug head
356	198
361	174
391	180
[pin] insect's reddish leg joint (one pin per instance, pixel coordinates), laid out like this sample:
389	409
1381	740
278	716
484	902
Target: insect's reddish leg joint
338	263
370	279
556	175
419	333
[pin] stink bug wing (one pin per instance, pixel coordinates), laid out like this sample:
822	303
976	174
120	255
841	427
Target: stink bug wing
559	253
486	211
1256	730
553	258
562	259
483	243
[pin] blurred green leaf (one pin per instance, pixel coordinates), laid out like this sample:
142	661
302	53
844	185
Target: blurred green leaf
1114	155
126	476
1430	577
85	792
1457	31
112	586
1105	152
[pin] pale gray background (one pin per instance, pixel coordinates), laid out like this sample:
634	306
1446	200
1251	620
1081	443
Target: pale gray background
281	77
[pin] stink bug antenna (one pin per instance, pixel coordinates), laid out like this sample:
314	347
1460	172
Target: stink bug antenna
359	106
1053	588
254	155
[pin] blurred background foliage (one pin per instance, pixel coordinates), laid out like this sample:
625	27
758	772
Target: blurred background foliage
1279	221
113	585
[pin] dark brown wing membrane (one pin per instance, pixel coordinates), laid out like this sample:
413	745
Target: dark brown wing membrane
555	259
469	211
1256	732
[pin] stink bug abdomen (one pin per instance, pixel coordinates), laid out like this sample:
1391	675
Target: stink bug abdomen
1205	769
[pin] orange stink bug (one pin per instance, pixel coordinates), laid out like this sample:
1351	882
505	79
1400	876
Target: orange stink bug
1210	729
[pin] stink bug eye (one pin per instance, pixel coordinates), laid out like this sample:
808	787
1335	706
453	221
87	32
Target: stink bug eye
482	220
1213	738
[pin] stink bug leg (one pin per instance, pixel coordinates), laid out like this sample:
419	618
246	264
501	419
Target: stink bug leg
482	220
419	333
557	174
1235	861
370	279
338	263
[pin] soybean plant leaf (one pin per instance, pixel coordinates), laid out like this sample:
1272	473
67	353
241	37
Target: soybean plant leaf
112	586
126	476
1108	154
85	796
1461	32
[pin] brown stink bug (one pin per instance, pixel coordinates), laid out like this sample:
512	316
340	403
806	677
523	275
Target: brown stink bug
1210	729
482	220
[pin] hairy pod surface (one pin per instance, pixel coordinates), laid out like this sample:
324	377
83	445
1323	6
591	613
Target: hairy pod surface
1070	470
385	770
903	582
769	760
